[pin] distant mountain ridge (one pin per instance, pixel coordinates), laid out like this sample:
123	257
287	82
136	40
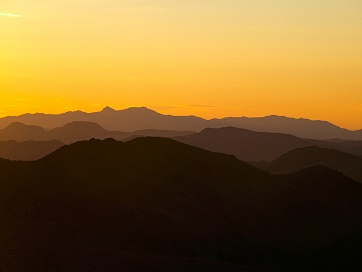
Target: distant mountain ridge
132	119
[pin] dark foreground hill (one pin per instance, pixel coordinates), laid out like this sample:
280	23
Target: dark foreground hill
250	145
305	157
154	204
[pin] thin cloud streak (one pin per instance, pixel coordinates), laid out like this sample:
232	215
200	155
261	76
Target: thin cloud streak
5	14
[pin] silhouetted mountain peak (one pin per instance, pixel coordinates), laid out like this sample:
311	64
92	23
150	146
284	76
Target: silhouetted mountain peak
108	110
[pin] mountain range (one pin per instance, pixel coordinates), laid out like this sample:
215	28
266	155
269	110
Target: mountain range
153	201
133	119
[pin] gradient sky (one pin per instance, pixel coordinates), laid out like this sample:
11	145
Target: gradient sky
212	58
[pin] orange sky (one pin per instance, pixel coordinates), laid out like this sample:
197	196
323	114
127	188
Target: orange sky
211	58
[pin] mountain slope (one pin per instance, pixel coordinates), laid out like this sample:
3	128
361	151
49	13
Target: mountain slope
159	196
28	150
306	157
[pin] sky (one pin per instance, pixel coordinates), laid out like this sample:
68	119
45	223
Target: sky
211	58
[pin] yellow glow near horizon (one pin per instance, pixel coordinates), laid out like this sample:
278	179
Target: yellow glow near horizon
210	58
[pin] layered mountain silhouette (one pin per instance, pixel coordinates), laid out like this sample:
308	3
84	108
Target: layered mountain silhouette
28	150
75	131
246	145
249	145
305	157
154	200
142	118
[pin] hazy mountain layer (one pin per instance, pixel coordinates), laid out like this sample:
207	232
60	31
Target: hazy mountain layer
75	131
